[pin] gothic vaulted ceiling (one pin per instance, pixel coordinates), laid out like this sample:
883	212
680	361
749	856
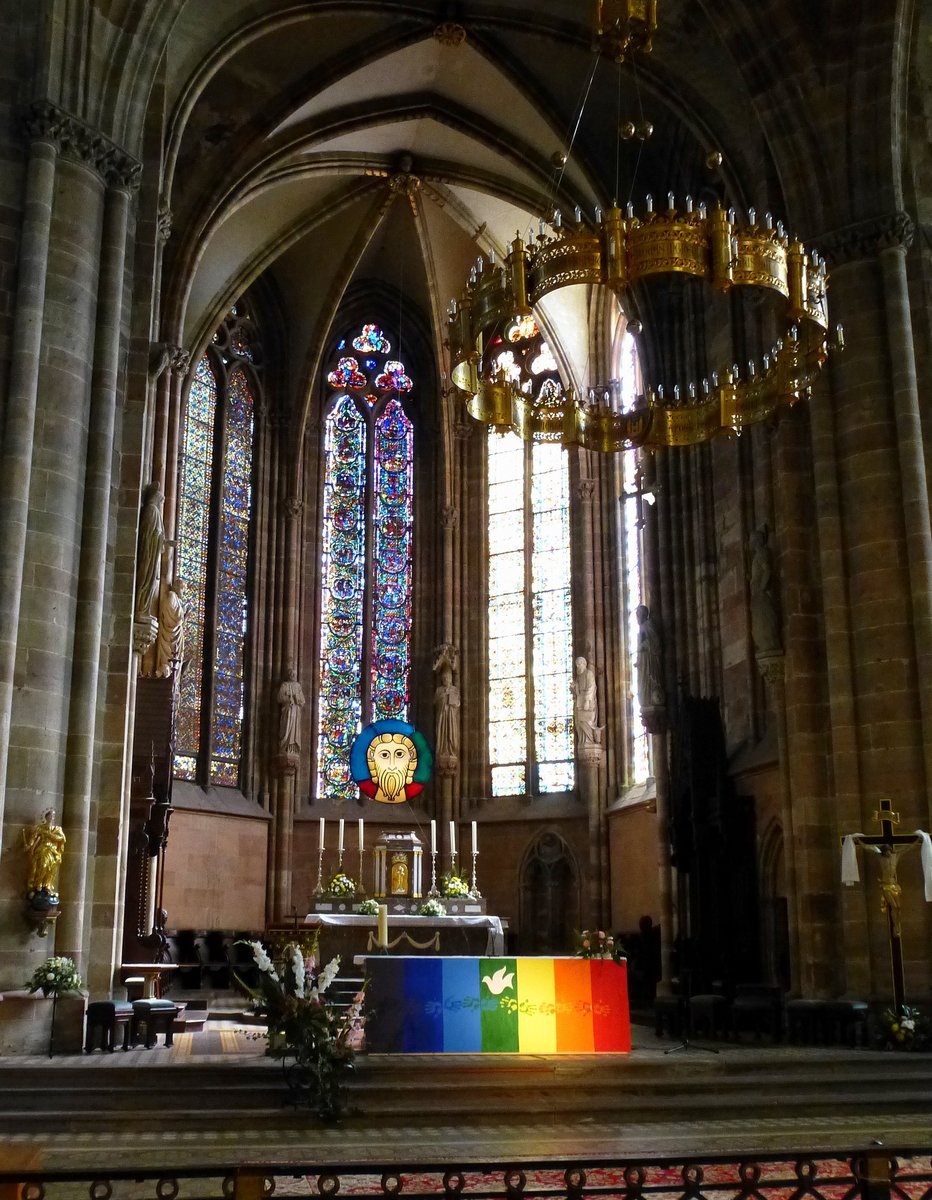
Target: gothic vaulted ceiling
320	144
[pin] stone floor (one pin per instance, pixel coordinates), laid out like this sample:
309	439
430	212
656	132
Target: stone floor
430	1137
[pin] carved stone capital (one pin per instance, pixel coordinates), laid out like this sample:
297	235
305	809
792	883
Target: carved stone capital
772	667
164	356
464	427
45	121
446	765
585	490
449	33
285	765
450	517
445	656
654	719
145	631
866	239
292	507
592	754
164	223
179	360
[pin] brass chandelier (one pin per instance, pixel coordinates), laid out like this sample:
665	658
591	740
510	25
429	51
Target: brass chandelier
620	250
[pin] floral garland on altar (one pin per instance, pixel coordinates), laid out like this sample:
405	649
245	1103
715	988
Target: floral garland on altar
596	943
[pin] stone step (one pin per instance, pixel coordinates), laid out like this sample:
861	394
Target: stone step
205	1094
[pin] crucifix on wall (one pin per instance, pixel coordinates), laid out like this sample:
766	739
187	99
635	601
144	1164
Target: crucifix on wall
889	846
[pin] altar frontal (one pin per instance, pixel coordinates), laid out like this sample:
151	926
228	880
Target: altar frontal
497	1006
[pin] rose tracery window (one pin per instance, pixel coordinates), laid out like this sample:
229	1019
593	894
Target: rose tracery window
366	555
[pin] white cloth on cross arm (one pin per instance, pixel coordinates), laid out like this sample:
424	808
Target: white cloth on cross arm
849	859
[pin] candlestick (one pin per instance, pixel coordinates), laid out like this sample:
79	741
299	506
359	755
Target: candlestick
453	839
320	835
382	931
319	889
433	893
433	837
473	888
360	890
340	837
475	845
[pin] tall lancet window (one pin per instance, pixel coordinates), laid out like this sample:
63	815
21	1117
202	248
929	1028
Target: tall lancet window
530	614
366	556
626	382
215	505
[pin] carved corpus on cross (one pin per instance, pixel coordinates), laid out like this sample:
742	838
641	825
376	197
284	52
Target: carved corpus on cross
889	846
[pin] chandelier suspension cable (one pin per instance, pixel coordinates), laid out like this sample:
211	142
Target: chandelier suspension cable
565	157
643	124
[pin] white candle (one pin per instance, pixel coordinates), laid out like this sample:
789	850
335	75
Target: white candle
453	838
320	836
361	842
382	932
475	844
433	837
340	838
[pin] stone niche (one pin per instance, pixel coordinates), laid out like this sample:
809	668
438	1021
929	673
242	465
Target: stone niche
26	1023
399	866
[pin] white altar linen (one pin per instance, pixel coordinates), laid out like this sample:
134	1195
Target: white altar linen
496	943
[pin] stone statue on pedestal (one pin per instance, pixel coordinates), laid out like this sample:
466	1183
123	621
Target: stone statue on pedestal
149	550
651	692
169	645
291	701
765	628
585	714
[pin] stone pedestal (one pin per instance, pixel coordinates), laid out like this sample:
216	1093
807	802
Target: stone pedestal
26	1023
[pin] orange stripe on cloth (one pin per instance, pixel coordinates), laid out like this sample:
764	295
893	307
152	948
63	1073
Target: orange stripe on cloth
574	1007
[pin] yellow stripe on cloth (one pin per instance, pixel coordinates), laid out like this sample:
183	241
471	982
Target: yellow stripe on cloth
537	1013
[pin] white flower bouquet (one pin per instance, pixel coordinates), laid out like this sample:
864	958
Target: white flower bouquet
54	977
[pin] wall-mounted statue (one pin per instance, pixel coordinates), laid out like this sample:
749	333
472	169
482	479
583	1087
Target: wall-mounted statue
44	844
651	692
169	645
291	701
447	707
149	550
585	706
765	626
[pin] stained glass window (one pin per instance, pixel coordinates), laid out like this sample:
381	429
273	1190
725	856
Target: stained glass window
530	618
626	386
367	541
214	515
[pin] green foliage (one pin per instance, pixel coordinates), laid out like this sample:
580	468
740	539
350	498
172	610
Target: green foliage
54	977
315	1041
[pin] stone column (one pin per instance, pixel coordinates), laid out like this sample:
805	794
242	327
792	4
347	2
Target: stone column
772	668
447	765
589	757
79	768
43	131
883	506
285	765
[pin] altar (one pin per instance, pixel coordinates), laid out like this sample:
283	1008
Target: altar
446	1005
355	934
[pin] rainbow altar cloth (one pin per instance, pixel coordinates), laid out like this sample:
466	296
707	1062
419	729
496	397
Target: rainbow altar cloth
496	1006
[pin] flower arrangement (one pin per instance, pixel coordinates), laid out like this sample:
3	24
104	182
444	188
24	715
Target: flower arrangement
320	1038
596	943
55	976
341	885
367	908
906	1030
431	908
453	886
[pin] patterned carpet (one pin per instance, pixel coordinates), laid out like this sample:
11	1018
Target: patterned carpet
821	1179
